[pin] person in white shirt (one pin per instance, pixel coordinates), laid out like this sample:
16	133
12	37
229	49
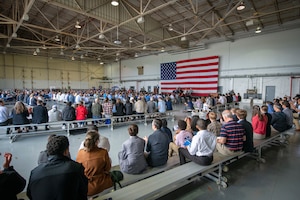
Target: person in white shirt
103	141
5	118
54	114
201	148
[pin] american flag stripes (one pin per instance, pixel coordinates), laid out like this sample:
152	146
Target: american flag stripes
199	74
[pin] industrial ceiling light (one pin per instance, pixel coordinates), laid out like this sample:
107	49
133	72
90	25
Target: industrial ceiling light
136	55
61	52
183	38
162	49
140	20
77	25
77	46
258	30
14	35
115	2
35	53
37	50
25	17
130	40
241	6
57	38
117	41
101	63
44	47
8	45
81	57
170	28
72	58
101	36
144	47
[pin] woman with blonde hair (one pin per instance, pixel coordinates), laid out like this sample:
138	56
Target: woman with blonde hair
96	162
20	114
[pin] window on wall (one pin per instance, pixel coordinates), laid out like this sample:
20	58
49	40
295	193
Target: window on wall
140	70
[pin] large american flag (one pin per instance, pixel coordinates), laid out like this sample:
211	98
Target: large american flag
199	74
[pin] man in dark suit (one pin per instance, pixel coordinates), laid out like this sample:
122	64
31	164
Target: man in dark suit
157	145
248	143
40	114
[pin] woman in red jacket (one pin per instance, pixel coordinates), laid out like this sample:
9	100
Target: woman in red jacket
81	113
259	123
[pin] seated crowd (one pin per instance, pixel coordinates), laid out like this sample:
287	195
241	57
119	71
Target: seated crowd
59	177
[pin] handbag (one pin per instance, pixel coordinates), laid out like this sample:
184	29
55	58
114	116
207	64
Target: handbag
116	177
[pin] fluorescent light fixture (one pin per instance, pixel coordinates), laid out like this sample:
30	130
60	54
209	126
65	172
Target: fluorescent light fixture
258	30
140	20
115	2
101	36
77	25
57	38
241	6
170	28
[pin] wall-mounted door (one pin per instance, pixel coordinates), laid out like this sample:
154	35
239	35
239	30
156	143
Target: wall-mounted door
270	93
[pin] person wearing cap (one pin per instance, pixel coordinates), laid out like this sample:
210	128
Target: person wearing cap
11	182
54	114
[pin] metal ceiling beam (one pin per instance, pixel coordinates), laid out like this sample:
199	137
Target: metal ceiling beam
28	6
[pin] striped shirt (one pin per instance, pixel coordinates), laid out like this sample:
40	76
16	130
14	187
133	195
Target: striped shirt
233	132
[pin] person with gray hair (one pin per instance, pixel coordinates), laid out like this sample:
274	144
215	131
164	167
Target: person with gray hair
232	135
278	122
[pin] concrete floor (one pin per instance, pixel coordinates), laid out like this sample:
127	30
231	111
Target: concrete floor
277	179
